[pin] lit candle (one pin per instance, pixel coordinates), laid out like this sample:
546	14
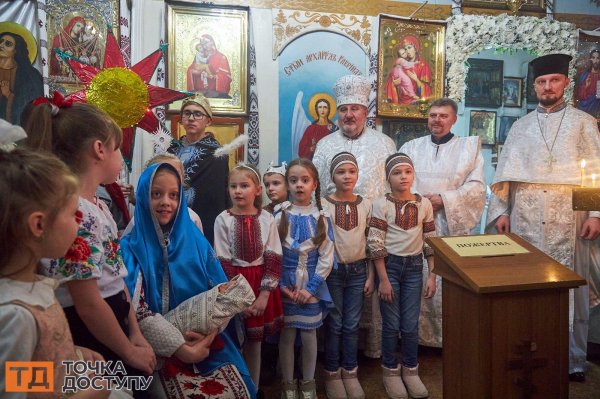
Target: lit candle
593	180
582	172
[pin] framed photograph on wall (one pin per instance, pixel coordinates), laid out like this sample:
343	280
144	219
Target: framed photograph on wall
402	131
587	85
506	123
484	83
512	92
530	95
208	54
411	66
528	5
483	124
79	29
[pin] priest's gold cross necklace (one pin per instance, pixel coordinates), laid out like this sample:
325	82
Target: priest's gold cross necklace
550	159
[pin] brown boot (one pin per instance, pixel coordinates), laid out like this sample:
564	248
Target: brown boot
334	387
393	383
352	385
413	382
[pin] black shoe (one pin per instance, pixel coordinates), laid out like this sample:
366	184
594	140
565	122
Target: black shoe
578	376
260	394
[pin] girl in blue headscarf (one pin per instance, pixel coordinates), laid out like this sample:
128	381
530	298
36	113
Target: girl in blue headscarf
170	261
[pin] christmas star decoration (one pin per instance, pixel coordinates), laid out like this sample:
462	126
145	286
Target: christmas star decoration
124	93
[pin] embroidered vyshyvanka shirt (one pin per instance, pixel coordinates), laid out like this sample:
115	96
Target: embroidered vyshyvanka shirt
350	226
400	227
249	240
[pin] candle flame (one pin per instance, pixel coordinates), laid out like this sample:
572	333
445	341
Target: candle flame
582	163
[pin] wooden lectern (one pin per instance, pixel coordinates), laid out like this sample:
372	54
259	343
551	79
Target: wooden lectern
505	324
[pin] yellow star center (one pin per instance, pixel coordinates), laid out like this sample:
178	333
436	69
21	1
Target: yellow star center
121	93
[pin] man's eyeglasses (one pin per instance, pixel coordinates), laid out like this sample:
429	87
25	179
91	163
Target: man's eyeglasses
197	115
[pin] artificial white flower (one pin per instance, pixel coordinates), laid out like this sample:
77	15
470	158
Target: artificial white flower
469	34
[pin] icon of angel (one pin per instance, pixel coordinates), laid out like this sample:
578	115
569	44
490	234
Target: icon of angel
306	133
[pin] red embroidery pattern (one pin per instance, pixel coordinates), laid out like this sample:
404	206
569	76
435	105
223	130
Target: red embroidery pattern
228	267
428	227
143	310
409	218
79	251
181	382
212	387
346	213
272	264
247	245
346	221
378	253
377	223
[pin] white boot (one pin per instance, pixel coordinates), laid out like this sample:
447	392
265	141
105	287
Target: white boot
393	383
289	389
352	385
308	389
413	382
334	387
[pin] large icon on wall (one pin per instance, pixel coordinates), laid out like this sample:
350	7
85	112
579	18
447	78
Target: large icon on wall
484	83
321	108
307	104
208	54
483	124
512	92
79	29
587	80
411	66
21	82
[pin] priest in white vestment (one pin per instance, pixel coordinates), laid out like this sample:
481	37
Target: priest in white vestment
370	148
539	165
449	172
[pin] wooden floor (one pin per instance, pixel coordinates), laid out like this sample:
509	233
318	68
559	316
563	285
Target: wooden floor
431	373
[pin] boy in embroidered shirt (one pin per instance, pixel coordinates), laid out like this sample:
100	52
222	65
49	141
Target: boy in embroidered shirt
400	223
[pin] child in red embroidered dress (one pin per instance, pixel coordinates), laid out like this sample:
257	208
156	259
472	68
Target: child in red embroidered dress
247	243
39	219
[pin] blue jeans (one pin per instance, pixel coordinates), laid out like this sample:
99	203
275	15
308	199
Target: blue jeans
402	315
346	285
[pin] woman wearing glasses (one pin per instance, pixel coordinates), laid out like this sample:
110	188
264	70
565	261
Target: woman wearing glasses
205	174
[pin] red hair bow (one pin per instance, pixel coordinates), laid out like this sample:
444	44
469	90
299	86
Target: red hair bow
57	99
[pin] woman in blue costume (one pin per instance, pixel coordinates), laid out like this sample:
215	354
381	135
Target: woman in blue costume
170	261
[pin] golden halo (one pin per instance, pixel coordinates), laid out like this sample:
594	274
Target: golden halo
196	40
313	102
17	29
121	93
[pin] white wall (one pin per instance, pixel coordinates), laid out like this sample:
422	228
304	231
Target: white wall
268	87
